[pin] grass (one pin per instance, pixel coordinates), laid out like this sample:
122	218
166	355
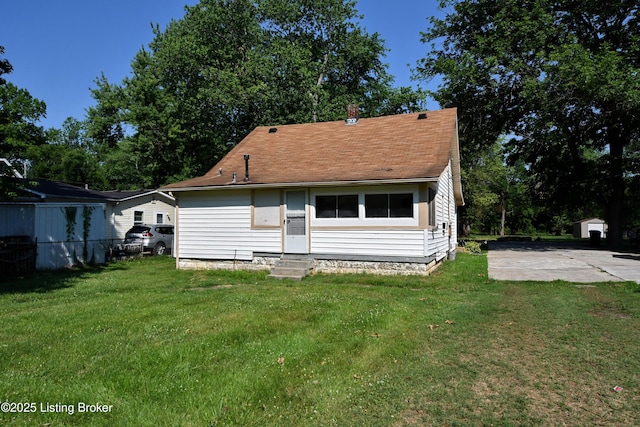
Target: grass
194	348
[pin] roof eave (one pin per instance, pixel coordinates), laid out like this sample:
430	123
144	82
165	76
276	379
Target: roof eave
456	169
303	184
148	193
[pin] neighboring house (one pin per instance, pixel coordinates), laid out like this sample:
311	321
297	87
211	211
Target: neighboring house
358	195
128	208
582	228
73	223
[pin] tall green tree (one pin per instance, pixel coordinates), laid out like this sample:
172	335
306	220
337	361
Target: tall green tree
19	114
68	156
497	194
228	66
559	75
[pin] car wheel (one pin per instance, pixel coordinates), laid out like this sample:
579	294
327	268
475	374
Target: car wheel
159	249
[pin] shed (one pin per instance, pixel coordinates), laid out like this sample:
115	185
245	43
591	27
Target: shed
582	228
66	233
375	194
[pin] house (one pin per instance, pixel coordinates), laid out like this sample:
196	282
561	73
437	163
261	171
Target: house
75	224
377	194
582	228
125	209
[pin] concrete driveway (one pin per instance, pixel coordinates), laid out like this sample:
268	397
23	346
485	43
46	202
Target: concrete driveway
550	261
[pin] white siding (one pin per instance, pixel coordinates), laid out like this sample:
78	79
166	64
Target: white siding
403	243
120	215
438	242
46	222
17	220
54	251
217	225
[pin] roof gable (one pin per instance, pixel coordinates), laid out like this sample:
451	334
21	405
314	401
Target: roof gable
400	147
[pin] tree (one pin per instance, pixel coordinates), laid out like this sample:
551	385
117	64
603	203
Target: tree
5	67
496	194
68	157
19	113
559	75
228	66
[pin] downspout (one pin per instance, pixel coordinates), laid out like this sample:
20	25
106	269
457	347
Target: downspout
176	232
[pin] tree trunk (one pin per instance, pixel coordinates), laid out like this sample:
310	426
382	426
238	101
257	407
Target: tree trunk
503	215
314	95
615	208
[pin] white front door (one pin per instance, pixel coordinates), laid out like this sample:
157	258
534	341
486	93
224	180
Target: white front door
295	222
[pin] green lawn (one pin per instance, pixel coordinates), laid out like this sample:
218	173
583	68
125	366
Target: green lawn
160	347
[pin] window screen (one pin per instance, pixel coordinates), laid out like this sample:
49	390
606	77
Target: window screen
266	208
376	205
432	207
401	205
388	205
138	217
344	206
348	206
326	206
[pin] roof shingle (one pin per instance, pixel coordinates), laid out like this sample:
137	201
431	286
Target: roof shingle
382	148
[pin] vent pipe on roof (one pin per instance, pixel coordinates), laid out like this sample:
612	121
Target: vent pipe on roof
246	167
353	113
422	116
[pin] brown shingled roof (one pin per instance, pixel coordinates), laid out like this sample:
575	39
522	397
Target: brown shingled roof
385	148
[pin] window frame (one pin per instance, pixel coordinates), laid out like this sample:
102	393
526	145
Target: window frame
337	207
387	209
266	208
135	221
362	221
432	221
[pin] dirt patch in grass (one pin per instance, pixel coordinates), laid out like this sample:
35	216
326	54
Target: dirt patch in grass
605	305
610	312
212	288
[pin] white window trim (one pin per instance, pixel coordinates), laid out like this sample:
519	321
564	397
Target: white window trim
362	221
155	217
134	217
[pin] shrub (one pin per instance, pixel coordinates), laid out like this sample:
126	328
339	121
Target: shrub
473	247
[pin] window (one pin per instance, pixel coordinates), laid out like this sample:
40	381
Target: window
138	217
159	218
164	230
344	206
266	208
431	199
376	205
388	205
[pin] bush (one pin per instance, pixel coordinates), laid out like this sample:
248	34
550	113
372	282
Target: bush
473	247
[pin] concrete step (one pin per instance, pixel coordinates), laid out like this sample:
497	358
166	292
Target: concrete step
292	263
289	271
286	276
294	268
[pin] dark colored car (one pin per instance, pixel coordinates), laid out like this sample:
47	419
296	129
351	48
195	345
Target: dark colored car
157	237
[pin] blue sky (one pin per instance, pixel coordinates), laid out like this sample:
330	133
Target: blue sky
58	48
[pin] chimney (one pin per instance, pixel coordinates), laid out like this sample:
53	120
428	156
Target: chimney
352	114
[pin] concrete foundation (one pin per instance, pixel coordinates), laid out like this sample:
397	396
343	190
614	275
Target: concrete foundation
328	266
